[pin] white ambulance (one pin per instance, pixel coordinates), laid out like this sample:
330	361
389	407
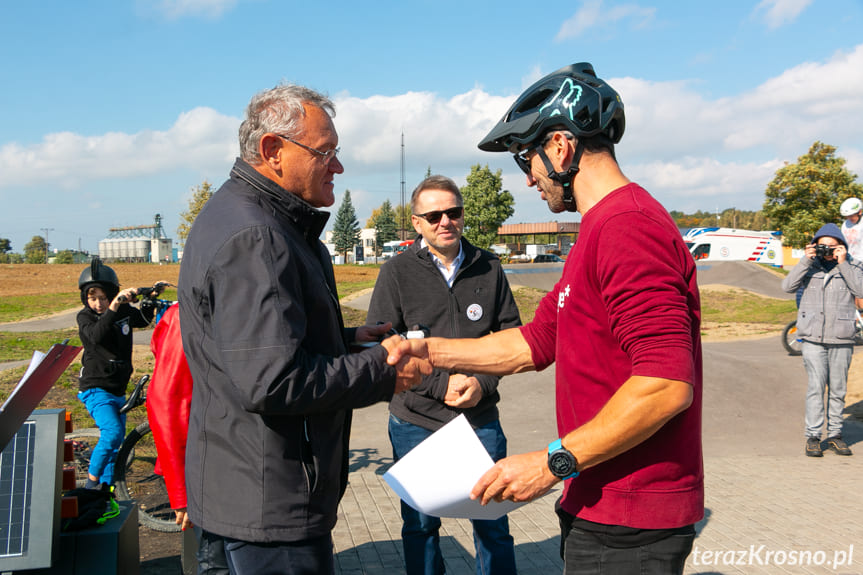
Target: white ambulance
726	244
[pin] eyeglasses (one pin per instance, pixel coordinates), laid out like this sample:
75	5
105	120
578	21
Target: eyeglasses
522	158
435	216
327	156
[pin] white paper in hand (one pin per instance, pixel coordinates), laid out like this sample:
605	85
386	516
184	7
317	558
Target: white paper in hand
436	477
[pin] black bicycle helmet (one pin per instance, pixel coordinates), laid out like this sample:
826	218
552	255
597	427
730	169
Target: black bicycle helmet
98	274
572	97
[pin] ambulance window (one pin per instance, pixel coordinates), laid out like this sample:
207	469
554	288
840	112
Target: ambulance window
701	252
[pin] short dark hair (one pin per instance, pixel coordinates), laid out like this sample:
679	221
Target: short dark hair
593	144
435	182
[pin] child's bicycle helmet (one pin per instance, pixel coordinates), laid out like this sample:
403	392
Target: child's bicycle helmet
98	274
850	207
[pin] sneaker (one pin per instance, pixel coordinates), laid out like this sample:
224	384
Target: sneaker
813	447
836	444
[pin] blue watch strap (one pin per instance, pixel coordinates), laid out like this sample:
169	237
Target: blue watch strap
556	445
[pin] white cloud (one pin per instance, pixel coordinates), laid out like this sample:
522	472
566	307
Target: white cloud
592	15
691	151
174	9
777	13
199	138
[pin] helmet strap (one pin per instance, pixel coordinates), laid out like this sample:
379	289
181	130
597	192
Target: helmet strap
564	178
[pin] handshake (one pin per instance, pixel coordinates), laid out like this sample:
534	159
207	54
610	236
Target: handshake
408	352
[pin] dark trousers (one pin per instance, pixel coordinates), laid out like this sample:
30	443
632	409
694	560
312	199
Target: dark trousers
307	557
593	549
211	553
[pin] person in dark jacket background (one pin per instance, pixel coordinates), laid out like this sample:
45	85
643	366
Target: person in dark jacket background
456	290
105	328
274	386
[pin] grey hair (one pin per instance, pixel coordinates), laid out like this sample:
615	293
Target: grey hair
435	183
278	111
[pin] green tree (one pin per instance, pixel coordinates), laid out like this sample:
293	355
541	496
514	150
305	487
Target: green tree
64	257
34	251
804	196
200	195
486	206
385	226
5	246
403	221
346	228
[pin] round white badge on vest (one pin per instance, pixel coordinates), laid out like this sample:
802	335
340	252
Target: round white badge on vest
125	329
474	312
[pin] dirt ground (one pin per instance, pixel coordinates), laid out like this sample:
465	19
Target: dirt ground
37	279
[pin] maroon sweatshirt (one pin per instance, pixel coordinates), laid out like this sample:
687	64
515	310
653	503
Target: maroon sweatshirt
627	304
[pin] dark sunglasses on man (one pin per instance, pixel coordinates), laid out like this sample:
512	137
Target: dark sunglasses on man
435	216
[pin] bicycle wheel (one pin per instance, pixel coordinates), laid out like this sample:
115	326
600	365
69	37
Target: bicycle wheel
138	482
83	442
792	344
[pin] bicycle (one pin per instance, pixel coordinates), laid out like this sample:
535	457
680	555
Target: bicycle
136	479
794	345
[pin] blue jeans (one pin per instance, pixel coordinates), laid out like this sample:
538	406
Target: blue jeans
104	408
826	366
495	552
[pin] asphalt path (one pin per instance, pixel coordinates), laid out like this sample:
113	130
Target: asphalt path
753	390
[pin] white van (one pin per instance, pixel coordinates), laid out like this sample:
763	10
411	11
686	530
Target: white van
726	244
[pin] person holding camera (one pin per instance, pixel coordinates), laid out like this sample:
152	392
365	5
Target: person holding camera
830	278
105	328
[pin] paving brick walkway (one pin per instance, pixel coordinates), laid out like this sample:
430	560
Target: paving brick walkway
763	515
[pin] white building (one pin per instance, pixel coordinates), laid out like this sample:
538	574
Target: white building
365	253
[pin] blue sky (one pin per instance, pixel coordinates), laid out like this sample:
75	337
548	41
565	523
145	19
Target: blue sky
112	111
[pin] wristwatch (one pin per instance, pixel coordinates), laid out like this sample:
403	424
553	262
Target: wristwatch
561	462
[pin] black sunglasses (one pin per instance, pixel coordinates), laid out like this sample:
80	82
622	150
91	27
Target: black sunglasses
522	160
435	216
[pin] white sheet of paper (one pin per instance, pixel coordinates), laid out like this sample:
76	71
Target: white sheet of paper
37	358
436	477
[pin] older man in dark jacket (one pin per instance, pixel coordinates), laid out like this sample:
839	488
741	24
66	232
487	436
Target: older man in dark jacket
267	454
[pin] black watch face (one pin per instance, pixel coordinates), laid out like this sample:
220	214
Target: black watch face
561	463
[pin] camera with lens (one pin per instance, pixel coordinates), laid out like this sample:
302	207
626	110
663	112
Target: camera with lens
823	251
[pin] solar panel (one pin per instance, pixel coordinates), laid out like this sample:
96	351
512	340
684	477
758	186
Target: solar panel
30	485
16	489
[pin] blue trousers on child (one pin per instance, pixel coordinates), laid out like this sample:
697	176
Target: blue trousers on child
104	408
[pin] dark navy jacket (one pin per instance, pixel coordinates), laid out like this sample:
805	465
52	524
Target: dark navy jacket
267	454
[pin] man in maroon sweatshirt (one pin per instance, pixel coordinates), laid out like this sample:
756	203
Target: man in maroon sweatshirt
623	327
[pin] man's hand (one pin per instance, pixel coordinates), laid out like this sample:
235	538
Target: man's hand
462	391
408	348
809	251
409	369
516	478
368	333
